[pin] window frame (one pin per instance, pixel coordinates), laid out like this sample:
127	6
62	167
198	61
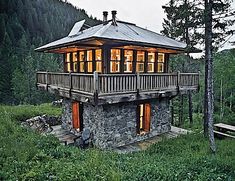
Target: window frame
140	61
117	62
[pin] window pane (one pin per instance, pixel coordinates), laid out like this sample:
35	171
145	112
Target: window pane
150	67
151	57
81	56
114	67
75	57
140	67
151	60
128	67
75	67
89	55
140	56
81	67
128	55
160	67
128	58
89	66
160	57
140	61
68	67
115	54
99	67
98	54
67	58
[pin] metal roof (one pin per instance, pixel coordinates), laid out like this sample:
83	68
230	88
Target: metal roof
125	32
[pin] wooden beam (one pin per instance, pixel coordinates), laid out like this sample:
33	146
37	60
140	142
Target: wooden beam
145	61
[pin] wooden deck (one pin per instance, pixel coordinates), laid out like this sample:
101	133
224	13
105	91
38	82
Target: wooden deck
224	130
113	88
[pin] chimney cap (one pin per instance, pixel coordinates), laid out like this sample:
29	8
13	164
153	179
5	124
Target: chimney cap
114	12
105	13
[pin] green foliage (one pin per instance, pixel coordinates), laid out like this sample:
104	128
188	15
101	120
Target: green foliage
24	25
25	155
185	21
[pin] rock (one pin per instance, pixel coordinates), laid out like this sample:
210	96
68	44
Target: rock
53	120
57	103
42	124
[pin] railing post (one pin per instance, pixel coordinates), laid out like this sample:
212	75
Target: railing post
138	83
198	83
37	80
70	84
96	86
47	81
178	81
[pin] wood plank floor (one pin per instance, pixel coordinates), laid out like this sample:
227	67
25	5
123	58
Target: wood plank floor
64	136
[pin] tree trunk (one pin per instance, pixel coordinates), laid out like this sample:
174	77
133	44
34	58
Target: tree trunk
190	108
172	112
230	102
190	104
181	110
221	99
209	107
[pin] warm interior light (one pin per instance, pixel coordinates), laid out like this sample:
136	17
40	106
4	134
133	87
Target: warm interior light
115	60
161	61
140	61
128	59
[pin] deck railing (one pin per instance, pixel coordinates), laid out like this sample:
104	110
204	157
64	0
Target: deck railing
111	84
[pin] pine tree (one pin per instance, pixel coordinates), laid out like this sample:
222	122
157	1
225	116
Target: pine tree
2	29
209	99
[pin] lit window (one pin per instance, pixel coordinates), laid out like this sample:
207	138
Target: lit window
151	61
82	61
115	60
140	61
75	62
128	60
67	63
161	62
98	59
89	61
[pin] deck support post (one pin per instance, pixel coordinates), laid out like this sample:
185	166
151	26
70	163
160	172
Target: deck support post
70	84
178	81
198	83
96	86
47	80
138	83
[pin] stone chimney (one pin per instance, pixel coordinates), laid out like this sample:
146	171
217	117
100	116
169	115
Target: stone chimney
105	17
114	20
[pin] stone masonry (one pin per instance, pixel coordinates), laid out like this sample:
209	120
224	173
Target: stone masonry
115	125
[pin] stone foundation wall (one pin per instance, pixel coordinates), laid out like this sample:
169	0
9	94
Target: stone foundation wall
115	125
67	114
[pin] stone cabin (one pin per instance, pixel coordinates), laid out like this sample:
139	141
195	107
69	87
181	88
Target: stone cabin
116	81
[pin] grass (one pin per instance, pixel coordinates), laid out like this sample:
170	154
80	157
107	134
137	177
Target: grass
25	155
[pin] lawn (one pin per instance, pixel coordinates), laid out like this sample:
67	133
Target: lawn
26	155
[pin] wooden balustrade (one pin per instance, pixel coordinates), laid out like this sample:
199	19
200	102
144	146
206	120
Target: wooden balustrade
189	79
158	81
111	84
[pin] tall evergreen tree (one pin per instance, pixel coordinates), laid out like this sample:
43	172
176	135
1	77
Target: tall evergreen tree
24	25
209	98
